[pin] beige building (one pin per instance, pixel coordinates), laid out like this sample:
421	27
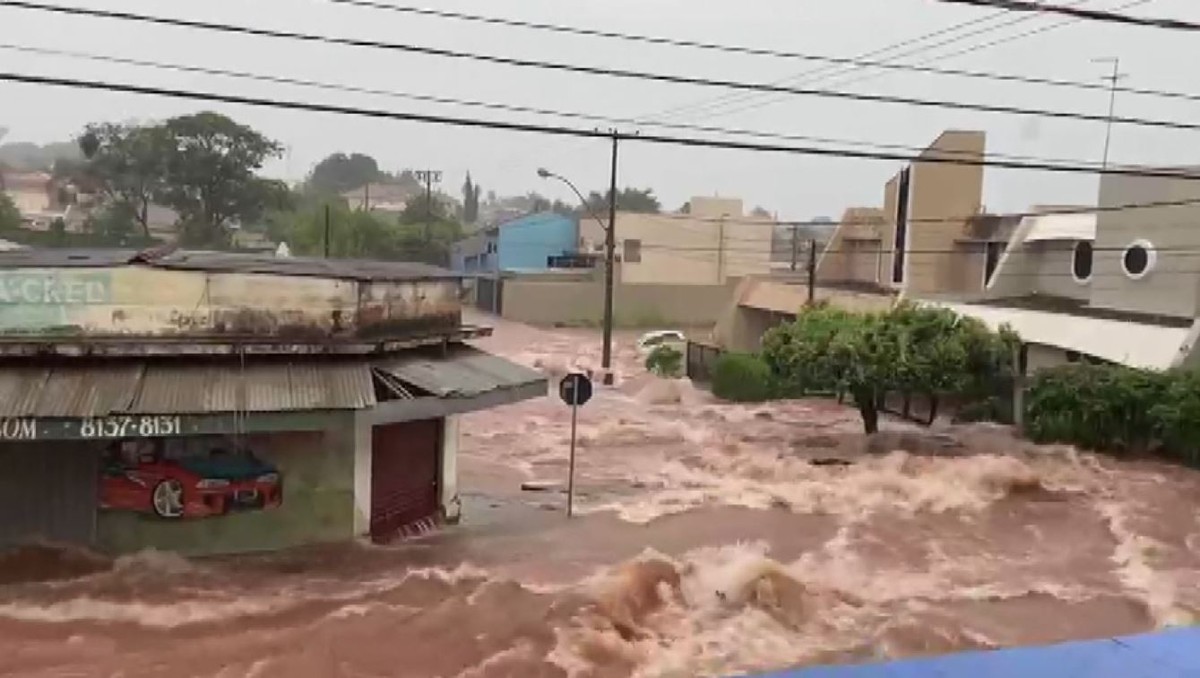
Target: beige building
713	244
31	192
1118	284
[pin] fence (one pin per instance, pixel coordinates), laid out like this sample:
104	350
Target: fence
700	361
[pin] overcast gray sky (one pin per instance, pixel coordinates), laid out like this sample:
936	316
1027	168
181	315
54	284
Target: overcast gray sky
795	187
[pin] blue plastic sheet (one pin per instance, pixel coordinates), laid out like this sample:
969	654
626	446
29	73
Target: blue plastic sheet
1169	654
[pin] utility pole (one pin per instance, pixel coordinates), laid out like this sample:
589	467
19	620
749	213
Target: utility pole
812	272
610	246
367	197
326	230
1112	100
795	245
429	177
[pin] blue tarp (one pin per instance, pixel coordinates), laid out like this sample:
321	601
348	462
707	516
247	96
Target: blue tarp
1169	654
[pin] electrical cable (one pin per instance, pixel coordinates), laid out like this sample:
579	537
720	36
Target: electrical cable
1080	13
598	71
695	142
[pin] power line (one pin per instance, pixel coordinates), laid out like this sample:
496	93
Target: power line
1080	13
968	49
594	70
823	74
513	108
857	62
694	142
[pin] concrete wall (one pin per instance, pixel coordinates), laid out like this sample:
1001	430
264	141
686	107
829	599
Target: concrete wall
319	482
525	243
135	300
581	301
1172	287
943	197
853	252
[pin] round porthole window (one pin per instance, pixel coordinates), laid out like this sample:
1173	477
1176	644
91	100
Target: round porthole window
1081	263
1138	259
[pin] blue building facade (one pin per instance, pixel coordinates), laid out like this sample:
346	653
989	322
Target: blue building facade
525	243
528	242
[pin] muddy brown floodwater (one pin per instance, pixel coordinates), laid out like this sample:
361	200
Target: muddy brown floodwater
708	543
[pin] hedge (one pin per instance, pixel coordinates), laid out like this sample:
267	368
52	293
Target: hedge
1117	410
742	378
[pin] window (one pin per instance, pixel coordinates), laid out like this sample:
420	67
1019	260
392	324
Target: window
992	253
1139	259
633	251
1081	262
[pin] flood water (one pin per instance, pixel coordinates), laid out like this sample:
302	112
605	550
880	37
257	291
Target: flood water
710	539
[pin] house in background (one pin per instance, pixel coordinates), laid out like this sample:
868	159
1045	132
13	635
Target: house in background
31	192
715	243
386	198
1119	284
526	243
930	238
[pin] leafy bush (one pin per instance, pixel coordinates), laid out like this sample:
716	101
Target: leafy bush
1118	410
741	378
910	349
665	361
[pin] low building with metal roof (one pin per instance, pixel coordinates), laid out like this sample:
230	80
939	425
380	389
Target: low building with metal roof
208	402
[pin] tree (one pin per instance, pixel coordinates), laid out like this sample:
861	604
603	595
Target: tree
470	201
686	208
339	173
10	216
128	165
210	180
761	213
909	349
628	200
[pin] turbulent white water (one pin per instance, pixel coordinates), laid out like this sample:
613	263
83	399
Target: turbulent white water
709	543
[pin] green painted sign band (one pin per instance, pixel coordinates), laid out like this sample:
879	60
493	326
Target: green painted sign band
123	427
63	289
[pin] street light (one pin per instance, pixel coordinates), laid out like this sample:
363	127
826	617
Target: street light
547	174
610	245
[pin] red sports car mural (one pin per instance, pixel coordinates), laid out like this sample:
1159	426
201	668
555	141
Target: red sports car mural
138	478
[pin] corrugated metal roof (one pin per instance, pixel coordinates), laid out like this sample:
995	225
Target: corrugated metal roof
464	373
231	262
157	388
1134	344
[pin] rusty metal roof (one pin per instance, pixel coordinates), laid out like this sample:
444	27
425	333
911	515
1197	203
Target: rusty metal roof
94	390
464	373
228	262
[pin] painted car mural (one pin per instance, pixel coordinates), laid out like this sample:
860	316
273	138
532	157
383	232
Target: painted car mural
138	477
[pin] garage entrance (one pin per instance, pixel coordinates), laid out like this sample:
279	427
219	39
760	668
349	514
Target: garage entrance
404	476
48	493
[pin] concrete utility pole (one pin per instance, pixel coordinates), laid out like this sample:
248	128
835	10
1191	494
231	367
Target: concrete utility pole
610	246
1112	99
795	245
429	177
326	230
812	272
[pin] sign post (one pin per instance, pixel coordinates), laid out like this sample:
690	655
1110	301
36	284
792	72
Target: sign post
575	390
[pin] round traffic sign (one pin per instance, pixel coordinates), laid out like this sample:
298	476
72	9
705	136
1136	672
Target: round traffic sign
575	389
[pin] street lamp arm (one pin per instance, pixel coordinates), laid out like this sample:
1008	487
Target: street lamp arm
582	201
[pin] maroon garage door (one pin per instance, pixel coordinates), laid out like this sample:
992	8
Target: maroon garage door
404	476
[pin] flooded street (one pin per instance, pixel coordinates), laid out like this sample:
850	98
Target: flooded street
711	539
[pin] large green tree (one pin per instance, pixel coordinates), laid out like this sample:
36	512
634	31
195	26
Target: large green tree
910	349
128	164
340	172
210	177
470	200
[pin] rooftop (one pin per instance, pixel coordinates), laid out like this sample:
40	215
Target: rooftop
226	262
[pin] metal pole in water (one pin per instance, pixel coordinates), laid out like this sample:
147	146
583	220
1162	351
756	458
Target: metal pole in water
571	472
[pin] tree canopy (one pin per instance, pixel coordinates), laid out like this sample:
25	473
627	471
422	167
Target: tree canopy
910	349
340	172
10	217
628	200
